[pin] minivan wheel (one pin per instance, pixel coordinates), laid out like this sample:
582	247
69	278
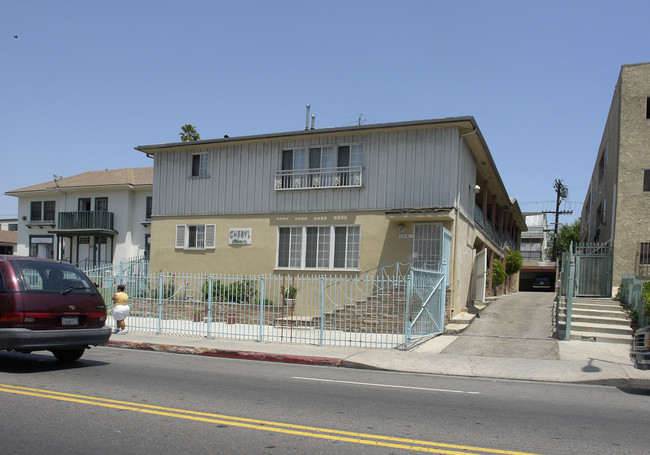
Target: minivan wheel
68	355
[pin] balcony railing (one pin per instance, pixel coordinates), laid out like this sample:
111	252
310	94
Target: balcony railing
85	220
501	239
337	177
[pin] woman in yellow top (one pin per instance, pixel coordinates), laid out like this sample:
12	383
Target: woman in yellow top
120	308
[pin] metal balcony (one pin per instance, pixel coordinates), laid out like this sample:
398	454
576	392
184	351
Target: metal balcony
85	220
338	177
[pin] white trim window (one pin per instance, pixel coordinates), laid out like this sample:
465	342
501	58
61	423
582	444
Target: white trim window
200	165
195	236
318	247
324	166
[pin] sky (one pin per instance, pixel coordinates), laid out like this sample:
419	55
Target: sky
87	81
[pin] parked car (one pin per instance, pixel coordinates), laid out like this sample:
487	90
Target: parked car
541	282
49	305
640	350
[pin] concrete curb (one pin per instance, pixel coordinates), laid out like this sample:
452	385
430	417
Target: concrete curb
619	379
231	354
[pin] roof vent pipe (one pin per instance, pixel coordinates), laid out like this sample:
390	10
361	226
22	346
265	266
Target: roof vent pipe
307	119
313	121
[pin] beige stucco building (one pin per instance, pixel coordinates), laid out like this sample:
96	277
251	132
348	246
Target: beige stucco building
337	201
617	203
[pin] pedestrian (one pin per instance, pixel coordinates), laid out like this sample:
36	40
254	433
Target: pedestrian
120	308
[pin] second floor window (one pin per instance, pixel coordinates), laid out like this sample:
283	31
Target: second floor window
646	180
200	165
148	207
36	211
321	167
42	211
101	204
83	204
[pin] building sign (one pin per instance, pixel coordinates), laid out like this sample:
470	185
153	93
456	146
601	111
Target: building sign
241	236
406	236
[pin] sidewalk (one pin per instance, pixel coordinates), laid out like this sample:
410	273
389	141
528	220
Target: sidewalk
476	352
580	361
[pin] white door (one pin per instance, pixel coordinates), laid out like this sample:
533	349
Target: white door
479	275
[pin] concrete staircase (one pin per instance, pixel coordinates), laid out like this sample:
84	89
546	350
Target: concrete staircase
595	319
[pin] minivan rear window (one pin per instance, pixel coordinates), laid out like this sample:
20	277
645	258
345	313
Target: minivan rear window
41	276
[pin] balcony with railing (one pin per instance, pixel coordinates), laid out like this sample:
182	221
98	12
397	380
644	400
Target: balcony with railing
85	220
336	177
500	238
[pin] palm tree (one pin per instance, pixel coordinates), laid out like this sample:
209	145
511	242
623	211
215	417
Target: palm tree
188	133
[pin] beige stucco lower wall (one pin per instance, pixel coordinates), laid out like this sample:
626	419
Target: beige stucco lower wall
382	241
462	257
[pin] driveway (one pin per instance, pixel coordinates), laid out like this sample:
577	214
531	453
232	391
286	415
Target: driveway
514	326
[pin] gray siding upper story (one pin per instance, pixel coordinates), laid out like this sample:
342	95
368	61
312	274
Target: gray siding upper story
422	166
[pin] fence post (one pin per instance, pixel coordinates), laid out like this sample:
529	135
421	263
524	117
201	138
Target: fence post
407	323
209	328
569	293
322	310
262	301
160	302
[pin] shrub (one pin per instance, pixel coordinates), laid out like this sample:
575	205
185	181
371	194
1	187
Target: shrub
168	291
498	273
240	292
514	261
645	293
621	294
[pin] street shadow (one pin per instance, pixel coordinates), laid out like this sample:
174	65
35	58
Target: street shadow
635	390
15	362
590	367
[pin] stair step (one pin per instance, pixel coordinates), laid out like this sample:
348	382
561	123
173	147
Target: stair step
600	337
589	319
594	306
597	313
601	328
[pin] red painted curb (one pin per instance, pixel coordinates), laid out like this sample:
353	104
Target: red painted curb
209	352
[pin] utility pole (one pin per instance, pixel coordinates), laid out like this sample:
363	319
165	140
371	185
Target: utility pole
562	192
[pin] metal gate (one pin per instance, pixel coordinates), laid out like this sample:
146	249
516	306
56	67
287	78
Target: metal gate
593	270
426	304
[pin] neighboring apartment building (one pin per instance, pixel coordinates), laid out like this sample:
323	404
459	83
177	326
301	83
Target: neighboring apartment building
534	246
617	203
333	201
8	235
88	219
534	241
9	224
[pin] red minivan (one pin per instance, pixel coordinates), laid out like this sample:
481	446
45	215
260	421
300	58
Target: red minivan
49	305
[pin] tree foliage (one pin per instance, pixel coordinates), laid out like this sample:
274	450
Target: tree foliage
514	261
188	133
566	234
498	273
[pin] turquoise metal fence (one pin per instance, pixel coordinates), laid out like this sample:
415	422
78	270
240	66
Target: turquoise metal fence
631	296
384	309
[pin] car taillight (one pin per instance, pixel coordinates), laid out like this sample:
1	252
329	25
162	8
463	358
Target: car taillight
12	317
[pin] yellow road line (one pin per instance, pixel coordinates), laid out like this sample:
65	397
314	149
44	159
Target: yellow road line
278	427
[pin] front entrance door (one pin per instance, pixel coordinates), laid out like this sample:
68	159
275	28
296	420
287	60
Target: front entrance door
427	246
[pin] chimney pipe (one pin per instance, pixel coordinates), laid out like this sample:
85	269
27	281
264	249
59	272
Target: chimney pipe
307	119
313	121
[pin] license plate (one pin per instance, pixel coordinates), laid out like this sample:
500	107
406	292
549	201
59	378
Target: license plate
69	321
